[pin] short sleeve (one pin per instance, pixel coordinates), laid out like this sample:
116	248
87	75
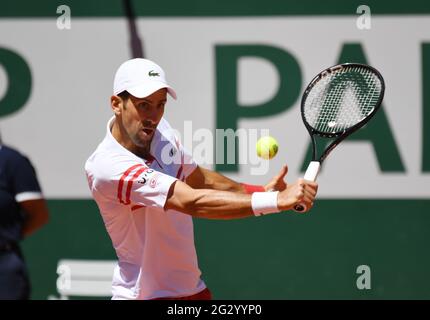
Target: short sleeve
141	186
24	180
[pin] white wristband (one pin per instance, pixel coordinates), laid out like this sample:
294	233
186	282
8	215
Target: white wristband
264	202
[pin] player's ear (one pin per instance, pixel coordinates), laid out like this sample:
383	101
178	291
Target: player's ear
116	104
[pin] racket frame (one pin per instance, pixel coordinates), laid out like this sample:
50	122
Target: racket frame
341	135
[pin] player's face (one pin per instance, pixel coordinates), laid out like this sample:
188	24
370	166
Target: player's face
142	115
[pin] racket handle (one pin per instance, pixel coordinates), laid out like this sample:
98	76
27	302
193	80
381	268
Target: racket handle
311	175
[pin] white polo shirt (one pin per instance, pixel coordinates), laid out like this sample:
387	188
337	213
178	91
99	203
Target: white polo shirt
155	247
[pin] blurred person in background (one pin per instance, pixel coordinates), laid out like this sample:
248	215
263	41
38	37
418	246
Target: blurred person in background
23	210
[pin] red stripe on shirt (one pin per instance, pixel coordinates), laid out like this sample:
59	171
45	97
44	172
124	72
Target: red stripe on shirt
179	173
121	181
130	183
138	206
182	165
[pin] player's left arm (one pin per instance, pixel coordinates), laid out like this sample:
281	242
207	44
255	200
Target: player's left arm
202	178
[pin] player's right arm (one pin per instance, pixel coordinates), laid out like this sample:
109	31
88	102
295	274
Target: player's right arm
132	184
215	204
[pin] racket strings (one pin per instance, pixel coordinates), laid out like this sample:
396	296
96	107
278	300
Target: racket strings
341	99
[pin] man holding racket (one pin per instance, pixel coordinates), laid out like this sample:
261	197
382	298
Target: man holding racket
147	201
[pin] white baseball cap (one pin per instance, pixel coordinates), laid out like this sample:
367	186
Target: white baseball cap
140	77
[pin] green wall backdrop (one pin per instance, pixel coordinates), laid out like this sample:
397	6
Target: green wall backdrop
285	256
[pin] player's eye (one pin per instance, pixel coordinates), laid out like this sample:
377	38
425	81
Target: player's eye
143	105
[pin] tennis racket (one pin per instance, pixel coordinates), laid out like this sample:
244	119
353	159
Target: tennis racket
337	102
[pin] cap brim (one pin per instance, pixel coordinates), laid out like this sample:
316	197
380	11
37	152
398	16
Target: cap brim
144	90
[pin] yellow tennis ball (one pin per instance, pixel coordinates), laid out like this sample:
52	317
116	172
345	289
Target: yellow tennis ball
267	147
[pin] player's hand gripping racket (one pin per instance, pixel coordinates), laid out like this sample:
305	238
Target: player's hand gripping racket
337	102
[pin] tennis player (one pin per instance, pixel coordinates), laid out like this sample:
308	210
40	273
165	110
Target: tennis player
147	203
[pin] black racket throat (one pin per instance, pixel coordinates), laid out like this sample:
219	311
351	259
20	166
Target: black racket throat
326	143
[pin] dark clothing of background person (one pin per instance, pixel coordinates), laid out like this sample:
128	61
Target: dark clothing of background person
22	211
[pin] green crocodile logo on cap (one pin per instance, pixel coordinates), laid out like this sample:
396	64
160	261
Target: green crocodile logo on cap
153	74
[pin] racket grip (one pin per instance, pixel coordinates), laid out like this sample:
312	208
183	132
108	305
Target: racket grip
311	175
312	171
